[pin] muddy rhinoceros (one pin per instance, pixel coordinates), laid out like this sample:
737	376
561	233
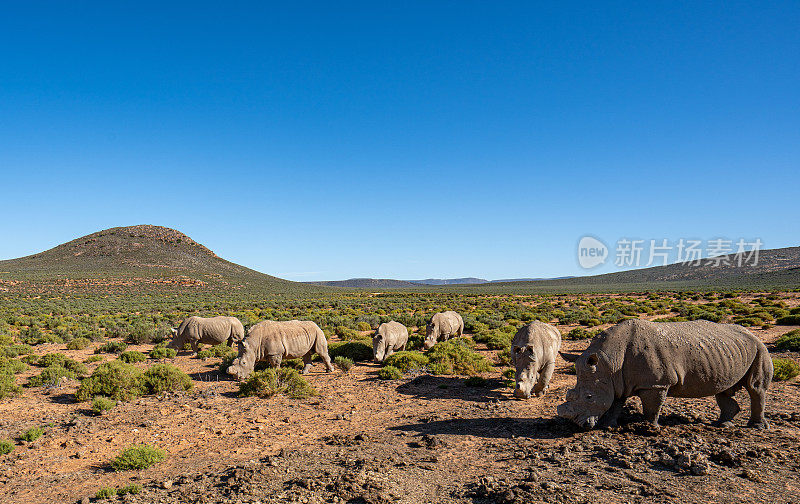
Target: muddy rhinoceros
443	325
272	342
654	360
389	338
211	331
533	352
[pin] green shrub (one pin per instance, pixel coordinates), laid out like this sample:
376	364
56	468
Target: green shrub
456	356
137	457
346	334
6	446
13	366
579	333
390	373
269	382
132	489
406	361
78	343
93	358
343	363
510	374
61	360
789	320
51	377
363	326
789	342
114	379
6	339
204	354
165	378
115	347
132	356
162	352
8	384
32	434
476	381
101	404
357	351
12	351
785	369
106	493
222	350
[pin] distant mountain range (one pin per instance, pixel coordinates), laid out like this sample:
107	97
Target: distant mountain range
387	283
144	258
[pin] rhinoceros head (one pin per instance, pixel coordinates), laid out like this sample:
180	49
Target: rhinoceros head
527	367
593	393
431	335
378	347
242	366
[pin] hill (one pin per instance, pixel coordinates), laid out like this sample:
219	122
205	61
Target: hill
127	256
367	283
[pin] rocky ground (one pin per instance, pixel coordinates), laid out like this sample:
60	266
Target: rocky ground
421	439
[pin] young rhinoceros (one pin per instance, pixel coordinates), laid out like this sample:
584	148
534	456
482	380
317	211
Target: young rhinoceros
272	342
654	360
211	331
389	338
443	325
533	352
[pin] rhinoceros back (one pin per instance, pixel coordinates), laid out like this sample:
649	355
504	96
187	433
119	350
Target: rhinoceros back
694	359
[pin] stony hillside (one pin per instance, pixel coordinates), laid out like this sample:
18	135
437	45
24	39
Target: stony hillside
131	254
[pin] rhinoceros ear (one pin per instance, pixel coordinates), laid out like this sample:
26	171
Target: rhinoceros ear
569	357
592	360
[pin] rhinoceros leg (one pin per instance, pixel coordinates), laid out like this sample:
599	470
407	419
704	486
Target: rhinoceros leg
652	401
307	361
544	379
758	402
195	347
610	417
757	384
728	407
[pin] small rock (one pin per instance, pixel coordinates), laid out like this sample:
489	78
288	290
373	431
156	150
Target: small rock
684	461
167	484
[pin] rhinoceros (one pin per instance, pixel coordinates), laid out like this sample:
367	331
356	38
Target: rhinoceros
212	331
443	325
654	360
272	342
533	352
389	337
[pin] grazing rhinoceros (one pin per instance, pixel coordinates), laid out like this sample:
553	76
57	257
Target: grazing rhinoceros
211	331
533	352
654	360
443	325
389	337
272	342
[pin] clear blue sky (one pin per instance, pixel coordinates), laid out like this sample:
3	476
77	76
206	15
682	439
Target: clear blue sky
333	140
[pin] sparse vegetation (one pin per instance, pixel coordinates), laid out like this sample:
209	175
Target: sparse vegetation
789	342
162	352
101	404
456	356
32	434
138	457
8	384
114	379
115	347
106	493
407	361
166	378
131	356
785	369
343	363
6	446
390	373
357	351
79	343
269	382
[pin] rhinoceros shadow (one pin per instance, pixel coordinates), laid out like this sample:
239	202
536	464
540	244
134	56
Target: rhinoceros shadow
450	387
496	427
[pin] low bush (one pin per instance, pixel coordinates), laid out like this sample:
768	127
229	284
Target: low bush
363	326
785	369
132	489
31	434
51	376
137	457
343	363
580	333
6	446
269	382
357	351
78	343
390	373
93	358
222	350
166	378
456	356
114	379
204	354
789	320
132	356
101	404
406	360
59	359
13	366
12	351
114	347
789	342
346	334
106	493
162	352
8	384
